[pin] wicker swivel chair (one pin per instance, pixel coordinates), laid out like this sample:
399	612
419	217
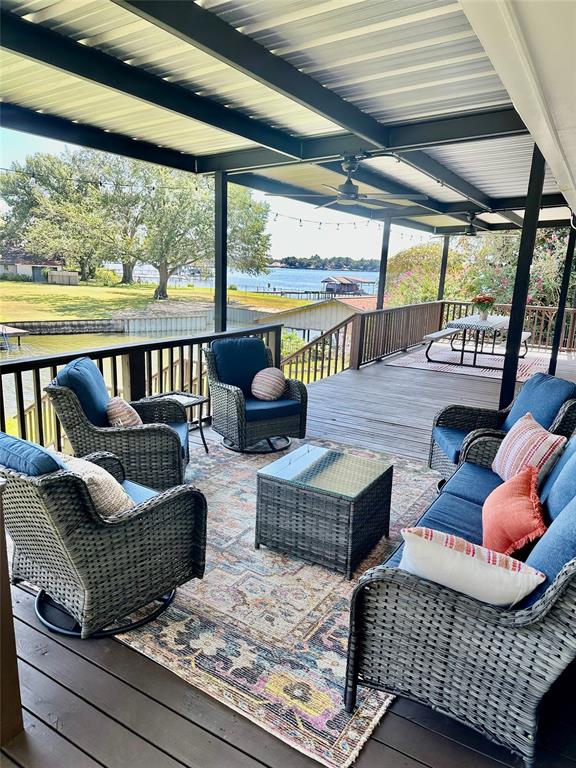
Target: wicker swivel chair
154	453
93	570
241	419
552	402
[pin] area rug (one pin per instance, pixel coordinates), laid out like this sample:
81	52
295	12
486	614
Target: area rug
266	634
527	366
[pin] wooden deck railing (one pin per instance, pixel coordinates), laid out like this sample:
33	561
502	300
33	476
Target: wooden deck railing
323	356
538	320
131	370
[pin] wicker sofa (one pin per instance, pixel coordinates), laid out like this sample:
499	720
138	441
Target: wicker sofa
486	667
98	569
551	400
241	419
154	453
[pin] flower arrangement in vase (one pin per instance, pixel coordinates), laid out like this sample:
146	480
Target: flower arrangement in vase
483	303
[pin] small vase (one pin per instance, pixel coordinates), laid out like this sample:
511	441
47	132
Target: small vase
483	315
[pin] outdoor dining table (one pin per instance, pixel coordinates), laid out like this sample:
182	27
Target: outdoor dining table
474	327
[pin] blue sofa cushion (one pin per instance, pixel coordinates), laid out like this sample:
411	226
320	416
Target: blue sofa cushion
472	482
138	493
543	396
568	453
450	440
181	428
262	410
563	490
454	515
556	548
239	360
30	459
85	380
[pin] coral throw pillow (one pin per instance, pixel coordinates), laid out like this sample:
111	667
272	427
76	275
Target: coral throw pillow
527	444
512	514
269	384
108	496
121	414
488	576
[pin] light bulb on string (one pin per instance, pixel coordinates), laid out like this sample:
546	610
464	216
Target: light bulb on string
300	222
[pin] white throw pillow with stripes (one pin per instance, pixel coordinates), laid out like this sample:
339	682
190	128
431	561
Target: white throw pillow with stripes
527	444
269	384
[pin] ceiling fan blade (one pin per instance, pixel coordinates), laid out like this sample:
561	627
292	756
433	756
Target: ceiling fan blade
334	189
373	201
386	196
325	205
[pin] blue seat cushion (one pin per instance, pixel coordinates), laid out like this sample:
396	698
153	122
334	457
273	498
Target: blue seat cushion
543	396
551	553
138	493
472	482
30	459
454	515
450	440
262	410
239	360
546	490
85	380
181	428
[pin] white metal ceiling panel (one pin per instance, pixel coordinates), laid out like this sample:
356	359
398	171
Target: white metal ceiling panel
405	174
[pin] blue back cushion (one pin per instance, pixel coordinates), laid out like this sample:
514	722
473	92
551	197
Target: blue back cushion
556	548
543	396
239	360
568	453
28	458
563	490
85	380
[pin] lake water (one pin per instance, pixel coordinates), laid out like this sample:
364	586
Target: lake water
279	279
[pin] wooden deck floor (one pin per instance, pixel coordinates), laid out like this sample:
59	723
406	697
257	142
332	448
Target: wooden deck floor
99	703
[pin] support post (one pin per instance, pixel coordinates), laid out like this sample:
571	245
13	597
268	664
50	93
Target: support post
383	262
559	324
134	374
11	722
443	267
220	250
522	279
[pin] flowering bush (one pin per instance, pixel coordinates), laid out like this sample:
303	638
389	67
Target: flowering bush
483	302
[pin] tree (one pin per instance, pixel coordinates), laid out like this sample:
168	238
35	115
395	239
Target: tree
413	274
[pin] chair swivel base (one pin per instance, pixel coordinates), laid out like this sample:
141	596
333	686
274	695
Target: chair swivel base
267	445
57	619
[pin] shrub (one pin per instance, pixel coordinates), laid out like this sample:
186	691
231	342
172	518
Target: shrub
105	277
232	287
13	277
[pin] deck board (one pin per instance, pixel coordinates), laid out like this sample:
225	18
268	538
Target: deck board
101	703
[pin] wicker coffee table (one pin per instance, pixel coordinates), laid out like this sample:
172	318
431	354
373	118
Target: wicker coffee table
324	506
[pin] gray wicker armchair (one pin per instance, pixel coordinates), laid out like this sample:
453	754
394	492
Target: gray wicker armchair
231	404
102	569
457	426
154	454
486	667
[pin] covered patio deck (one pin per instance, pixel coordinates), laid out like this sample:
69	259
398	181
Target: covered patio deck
89	704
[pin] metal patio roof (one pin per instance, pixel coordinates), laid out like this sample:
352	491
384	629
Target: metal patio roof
276	93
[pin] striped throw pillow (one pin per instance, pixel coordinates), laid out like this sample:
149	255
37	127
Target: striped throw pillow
108	496
269	384
121	414
481	573
527	444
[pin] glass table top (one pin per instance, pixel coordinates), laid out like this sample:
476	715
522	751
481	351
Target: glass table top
322	469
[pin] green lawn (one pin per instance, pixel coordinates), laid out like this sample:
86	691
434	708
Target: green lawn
40	301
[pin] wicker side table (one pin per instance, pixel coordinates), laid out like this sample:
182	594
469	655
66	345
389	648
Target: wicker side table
324	506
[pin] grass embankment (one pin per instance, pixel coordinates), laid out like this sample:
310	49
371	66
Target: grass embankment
40	301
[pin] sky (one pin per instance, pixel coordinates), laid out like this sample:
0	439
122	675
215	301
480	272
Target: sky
296	229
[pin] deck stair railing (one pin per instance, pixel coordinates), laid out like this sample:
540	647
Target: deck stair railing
324	356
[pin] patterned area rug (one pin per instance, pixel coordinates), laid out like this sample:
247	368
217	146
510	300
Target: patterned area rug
264	633
528	366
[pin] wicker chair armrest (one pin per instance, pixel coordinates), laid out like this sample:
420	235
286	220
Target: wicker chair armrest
469	418
395	586
160	410
160	506
565	421
108	461
481	446
296	390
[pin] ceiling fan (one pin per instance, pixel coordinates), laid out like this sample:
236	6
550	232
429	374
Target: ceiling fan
349	193
471	230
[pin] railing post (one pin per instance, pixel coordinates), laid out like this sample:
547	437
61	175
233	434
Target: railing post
11	722
134	374
276	346
561	311
357	342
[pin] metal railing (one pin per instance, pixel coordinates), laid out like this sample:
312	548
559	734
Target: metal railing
539	321
132	370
